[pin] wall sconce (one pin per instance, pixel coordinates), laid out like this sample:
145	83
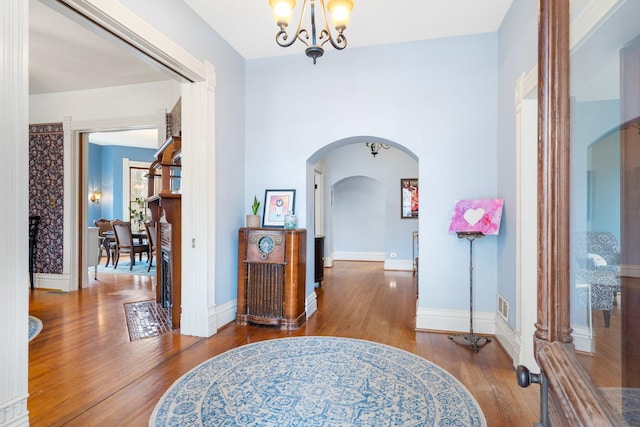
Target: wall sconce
376	146
95	197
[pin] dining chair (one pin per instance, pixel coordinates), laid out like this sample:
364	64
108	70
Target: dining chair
125	243
34	223
150	226
104	225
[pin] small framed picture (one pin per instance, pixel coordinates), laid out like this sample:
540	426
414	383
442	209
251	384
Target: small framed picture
409	198
277	203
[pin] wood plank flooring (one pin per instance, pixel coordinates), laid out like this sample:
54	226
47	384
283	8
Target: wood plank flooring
84	371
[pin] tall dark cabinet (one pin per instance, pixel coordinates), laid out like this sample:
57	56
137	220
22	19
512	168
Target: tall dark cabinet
319	260
165	203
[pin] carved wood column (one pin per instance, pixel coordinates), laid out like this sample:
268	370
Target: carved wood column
553	174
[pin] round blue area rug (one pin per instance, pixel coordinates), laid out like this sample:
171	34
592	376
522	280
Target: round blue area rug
35	326
317	381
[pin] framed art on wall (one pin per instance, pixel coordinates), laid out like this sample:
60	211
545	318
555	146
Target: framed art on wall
409	198
277	203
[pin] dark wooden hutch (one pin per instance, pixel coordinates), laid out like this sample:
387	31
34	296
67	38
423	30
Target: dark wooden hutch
165	202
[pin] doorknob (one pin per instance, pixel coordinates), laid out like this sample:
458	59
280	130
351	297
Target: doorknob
526	378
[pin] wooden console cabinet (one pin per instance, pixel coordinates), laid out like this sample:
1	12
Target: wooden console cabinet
271	277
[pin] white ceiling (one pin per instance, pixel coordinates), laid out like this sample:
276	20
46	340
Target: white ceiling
248	25
65	56
141	138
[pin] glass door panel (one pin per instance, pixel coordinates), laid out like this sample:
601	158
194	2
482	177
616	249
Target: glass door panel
605	198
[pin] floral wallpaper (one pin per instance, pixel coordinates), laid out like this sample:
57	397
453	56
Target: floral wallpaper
46	191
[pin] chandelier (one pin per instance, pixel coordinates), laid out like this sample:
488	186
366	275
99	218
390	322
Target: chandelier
339	10
376	146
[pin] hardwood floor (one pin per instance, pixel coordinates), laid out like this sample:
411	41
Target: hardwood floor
84	371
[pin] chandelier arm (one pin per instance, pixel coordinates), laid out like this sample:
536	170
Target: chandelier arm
340	41
300	34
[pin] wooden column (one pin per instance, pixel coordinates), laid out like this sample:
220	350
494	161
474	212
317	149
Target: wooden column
553	174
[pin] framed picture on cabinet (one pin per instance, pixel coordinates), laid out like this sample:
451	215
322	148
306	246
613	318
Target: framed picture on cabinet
409	198
277	203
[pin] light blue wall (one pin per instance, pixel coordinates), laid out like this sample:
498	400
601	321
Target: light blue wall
605	173
437	98
359	212
95	181
183	26
597	139
105	171
518	50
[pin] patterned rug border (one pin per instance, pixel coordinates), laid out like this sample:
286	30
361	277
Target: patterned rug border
184	407
146	319
35	327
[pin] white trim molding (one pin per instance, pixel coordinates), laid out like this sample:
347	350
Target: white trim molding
14	166
221	315
398	264
583	339
311	303
198	224
434	319
358	256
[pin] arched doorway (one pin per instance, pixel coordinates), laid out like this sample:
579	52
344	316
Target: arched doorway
358	198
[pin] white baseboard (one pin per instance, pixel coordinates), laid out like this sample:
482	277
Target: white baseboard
221	315
60	282
508	339
398	264
311	303
454	321
358	256
14	412
582	339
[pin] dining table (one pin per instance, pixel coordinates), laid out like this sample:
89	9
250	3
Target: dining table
109	236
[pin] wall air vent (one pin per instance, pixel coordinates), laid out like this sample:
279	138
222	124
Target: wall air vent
503	308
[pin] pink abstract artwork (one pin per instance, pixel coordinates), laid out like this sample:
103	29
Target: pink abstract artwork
477	216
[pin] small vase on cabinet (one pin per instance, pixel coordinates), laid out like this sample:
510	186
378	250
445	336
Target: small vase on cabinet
253	221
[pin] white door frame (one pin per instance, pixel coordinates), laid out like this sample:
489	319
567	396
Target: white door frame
198	131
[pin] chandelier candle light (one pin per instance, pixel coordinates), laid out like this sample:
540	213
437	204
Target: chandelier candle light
339	10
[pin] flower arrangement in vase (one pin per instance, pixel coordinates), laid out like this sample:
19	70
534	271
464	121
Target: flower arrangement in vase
137	215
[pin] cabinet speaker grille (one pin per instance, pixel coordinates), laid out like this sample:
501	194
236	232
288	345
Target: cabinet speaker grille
265	289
